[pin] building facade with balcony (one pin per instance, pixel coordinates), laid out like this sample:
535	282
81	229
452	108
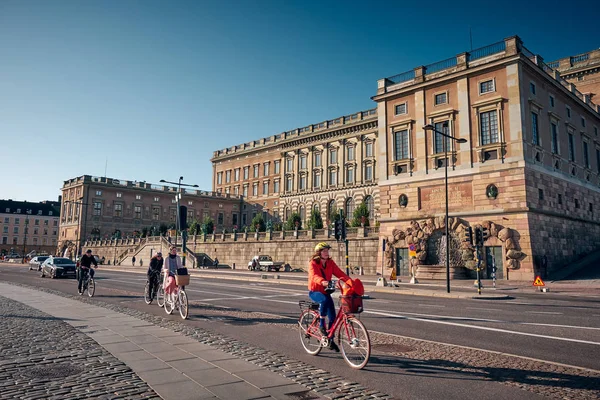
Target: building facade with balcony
27	226
583	70
529	172
100	208
324	166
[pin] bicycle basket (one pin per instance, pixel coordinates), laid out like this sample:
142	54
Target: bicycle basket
182	280
352	304
305	304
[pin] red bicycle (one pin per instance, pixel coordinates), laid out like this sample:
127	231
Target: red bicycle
352	335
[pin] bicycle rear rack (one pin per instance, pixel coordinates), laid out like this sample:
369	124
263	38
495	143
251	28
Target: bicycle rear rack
305	304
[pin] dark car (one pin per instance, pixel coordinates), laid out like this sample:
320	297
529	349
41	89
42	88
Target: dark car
36	262
57	267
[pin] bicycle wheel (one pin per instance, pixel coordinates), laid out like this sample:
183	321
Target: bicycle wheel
147	294
354	342
160	296
309	332
91	288
169	304
184	307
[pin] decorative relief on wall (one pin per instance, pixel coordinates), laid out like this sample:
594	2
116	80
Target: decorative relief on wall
434	197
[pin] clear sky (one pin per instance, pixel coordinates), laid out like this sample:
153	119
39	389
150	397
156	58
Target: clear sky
154	87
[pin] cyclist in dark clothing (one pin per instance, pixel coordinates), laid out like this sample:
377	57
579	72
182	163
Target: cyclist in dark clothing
85	265
156	264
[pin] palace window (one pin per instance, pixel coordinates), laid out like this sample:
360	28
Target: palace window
401	145
489	127
441	98
97	208
554	137
118	210
438	139
486	86
534	129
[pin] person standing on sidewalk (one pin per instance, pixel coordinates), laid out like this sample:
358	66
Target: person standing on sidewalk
320	271
170	266
133	261
85	266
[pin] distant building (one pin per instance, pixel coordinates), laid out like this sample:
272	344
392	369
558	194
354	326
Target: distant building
102	208
583	70
27	226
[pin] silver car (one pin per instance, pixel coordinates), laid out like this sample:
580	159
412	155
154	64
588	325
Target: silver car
36	263
57	267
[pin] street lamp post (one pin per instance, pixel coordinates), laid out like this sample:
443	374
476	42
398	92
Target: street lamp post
178	227
430	127
25	238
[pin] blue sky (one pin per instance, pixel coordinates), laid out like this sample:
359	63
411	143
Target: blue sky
154	87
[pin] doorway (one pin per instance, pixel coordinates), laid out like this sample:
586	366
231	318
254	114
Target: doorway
493	256
402	262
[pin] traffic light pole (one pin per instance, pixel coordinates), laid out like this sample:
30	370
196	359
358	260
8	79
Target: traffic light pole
347	266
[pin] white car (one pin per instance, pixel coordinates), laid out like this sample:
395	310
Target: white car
36	263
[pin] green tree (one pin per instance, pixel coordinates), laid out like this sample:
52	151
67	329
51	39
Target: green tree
290	224
208	225
195	227
334	215
361	213
163	228
145	231
258	220
315	221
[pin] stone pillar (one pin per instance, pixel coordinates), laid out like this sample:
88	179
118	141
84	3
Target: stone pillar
382	84
464	120
513	45
461	62
420	74
380	173
311	233
361	232
269	235
420	145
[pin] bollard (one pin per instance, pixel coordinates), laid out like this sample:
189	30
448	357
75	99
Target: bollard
233	265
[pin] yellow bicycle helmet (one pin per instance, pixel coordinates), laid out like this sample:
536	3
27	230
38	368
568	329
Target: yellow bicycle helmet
322	246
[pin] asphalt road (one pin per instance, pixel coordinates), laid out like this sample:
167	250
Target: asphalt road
553	329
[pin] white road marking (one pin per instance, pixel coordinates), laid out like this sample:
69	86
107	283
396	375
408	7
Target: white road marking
544	312
431	305
387	314
483	308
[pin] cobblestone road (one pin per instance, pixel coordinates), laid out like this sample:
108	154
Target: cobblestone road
42	357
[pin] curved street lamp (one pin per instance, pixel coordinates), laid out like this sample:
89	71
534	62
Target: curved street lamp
430	127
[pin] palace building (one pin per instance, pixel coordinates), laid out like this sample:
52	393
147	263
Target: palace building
529	171
107	208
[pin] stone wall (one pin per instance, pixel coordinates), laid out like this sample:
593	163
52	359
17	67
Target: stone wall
239	248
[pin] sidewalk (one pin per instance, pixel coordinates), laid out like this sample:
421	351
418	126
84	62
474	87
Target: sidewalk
464	289
173	365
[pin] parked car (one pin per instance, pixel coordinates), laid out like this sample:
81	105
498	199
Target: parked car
57	267
36	262
264	263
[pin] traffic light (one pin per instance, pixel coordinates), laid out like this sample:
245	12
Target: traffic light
485	234
182	218
337	230
469	236
343	223
478	236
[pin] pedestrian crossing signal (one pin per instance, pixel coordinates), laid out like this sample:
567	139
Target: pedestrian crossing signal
538	281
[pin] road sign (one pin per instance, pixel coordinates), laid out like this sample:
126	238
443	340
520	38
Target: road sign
538	281
412	250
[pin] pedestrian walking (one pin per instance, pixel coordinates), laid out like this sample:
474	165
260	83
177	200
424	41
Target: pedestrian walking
133	261
141	262
216	263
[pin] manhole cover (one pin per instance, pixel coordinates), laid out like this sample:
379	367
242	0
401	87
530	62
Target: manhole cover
304	395
51	371
391	348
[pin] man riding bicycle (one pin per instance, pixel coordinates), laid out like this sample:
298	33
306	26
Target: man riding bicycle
156	264
320	271
85	266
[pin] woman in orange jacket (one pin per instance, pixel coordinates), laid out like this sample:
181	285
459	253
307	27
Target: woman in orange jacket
320	270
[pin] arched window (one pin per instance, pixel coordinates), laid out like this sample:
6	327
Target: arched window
287	213
302	212
330	209
369	203
316	207
349	211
